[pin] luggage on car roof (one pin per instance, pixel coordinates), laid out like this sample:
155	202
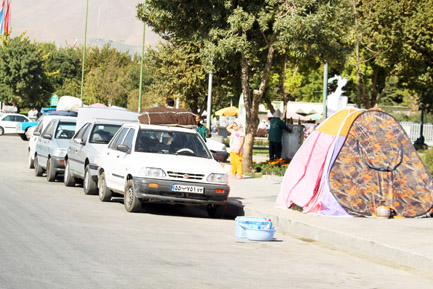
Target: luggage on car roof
167	116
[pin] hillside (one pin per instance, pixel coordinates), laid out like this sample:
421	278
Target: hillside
62	22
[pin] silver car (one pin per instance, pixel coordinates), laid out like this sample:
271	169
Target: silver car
51	147
84	148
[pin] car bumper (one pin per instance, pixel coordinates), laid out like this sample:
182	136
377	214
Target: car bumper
161	191
59	164
94	171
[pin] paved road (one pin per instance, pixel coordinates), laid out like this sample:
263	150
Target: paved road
52	236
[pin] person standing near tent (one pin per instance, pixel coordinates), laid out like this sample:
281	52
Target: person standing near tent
275	133
237	139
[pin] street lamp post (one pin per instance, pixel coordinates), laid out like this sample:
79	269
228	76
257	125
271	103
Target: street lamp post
84	51
421	140
325	90
209	99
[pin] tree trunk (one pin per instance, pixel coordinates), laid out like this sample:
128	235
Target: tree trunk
252	104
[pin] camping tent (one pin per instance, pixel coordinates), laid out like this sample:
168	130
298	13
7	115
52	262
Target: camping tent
355	162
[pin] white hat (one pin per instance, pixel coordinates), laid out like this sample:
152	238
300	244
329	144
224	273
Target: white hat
238	122
277	113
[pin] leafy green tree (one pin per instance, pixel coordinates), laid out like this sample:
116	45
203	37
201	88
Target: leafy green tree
106	76
251	32
63	68
415	71
179	73
392	49
22	77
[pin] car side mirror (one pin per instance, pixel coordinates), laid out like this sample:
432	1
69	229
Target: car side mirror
36	133
47	136
218	157
123	148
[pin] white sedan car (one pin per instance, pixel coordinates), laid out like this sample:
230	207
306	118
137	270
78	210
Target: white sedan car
9	121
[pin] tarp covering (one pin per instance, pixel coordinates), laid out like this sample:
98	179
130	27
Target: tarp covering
167	116
69	103
355	162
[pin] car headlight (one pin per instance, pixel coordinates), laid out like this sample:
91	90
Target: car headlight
152	172
217	178
60	152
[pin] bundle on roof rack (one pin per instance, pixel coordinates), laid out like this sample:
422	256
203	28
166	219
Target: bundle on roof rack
168	116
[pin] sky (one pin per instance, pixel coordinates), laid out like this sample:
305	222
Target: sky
63	22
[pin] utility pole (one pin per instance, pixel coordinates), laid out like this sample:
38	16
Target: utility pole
140	92
84	51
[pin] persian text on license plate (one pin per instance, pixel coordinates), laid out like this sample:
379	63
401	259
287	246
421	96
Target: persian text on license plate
187	189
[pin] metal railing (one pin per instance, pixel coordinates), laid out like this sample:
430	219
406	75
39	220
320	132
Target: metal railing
413	130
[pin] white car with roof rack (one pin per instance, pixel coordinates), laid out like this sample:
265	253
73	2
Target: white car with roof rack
156	163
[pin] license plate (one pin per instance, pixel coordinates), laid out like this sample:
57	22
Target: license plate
187	189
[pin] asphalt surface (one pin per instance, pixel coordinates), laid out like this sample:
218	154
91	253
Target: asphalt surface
54	236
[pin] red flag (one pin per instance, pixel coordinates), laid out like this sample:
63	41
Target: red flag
6	29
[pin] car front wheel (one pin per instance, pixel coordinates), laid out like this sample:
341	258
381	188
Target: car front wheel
89	185
130	200
68	179
51	172
104	192
31	162
38	170
216	211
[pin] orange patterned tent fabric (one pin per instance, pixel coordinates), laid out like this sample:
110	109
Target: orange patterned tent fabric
378	166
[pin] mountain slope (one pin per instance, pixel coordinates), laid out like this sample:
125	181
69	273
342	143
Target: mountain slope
63	22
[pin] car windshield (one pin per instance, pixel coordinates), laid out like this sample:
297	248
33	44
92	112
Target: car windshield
65	130
175	142
103	133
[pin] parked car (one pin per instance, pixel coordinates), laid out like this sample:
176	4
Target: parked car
83	149
38	129
25	129
51	147
152	163
97	126
9	121
218	150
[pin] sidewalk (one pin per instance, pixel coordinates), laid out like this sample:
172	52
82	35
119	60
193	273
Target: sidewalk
407	242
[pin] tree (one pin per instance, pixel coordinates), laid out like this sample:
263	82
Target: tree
106	76
415	71
22	77
178	72
252	31
63	68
